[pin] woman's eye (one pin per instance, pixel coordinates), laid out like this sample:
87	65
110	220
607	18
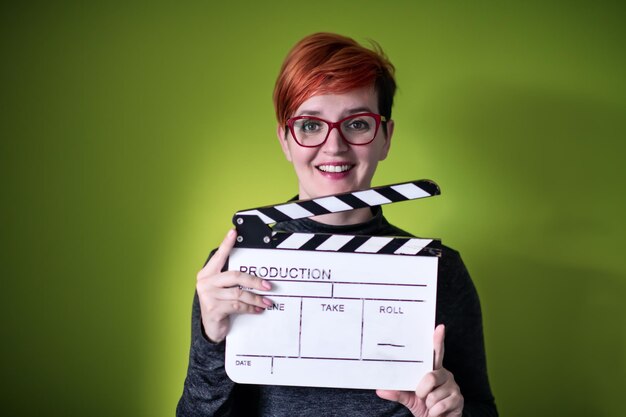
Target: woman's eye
358	125
310	126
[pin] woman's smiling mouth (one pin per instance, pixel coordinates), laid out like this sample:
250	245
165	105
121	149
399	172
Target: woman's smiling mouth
335	168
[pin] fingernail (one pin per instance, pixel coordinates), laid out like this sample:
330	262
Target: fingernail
265	284
231	232
267	302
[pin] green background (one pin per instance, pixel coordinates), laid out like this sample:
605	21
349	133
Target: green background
130	134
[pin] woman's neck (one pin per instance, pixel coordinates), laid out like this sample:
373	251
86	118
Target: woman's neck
345	217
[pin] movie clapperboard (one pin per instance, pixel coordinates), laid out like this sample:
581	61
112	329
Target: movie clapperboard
348	311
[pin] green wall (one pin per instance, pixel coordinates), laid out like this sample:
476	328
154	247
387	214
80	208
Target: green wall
131	133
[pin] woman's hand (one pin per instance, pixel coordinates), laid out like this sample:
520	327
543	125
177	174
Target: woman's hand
222	293
437	394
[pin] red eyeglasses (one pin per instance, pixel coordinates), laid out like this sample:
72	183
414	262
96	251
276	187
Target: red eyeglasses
356	129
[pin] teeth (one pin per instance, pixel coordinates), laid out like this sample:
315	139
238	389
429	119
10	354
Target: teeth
333	168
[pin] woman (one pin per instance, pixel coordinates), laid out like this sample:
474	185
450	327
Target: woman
333	102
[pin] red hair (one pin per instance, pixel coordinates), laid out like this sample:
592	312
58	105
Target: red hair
325	63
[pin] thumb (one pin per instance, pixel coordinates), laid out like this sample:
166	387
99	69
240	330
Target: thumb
403	397
438	345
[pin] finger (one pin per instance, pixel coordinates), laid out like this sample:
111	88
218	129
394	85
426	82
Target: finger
438	345
239	294
444	390
431	381
399	396
218	260
406	398
227	308
216	321
387	394
241	279
451	405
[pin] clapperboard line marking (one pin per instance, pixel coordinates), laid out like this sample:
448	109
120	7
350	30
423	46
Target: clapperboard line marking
242	355
300	330
388	284
362	326
347	298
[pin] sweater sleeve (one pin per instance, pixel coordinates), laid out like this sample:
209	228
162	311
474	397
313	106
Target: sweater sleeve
207	391
458	307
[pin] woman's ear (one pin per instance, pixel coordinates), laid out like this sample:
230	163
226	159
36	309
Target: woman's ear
281	132
387	145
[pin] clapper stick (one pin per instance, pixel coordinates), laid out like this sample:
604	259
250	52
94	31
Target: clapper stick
253	224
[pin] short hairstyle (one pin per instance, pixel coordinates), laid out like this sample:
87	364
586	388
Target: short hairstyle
324	63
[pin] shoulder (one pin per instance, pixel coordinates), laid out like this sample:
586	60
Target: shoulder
451	257
456	292
451	264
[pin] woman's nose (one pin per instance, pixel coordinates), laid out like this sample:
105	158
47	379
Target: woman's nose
335	143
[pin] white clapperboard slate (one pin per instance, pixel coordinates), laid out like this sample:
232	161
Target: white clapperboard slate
348	311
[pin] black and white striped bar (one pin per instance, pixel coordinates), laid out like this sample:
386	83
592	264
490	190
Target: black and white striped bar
356	244
343	202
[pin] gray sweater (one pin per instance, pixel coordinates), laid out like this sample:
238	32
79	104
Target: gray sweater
209	392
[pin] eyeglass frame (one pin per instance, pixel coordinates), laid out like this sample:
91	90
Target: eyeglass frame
332	125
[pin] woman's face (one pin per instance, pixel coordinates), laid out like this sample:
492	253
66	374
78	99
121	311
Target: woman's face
336	166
